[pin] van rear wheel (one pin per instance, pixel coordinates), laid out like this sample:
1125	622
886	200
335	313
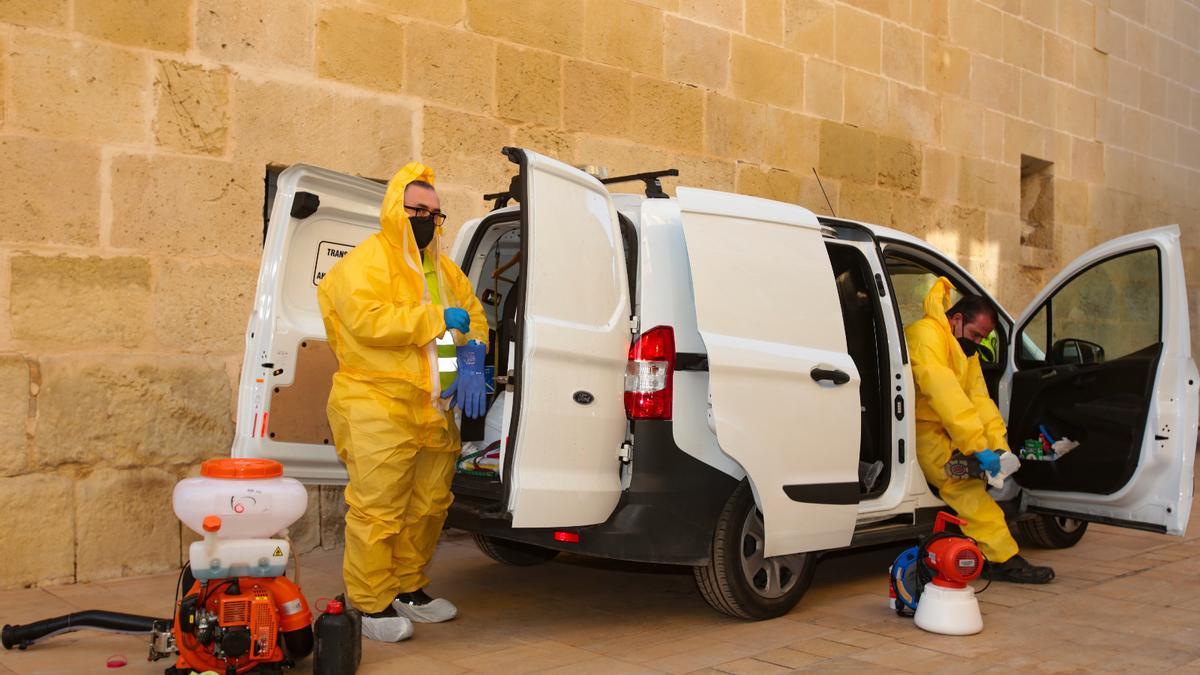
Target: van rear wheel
740	581
512	552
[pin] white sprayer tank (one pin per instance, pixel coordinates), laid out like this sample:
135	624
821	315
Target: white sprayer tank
250	496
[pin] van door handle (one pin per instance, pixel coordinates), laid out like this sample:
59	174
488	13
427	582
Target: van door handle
829	375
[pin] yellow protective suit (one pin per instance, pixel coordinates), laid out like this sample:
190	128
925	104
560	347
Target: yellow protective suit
954	411
392	431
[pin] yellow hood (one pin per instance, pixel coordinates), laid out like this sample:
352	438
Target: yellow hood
392	218
937	302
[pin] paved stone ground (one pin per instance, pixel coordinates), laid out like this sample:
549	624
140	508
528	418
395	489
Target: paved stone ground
1123	601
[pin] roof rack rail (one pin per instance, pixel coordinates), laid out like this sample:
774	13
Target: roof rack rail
652	180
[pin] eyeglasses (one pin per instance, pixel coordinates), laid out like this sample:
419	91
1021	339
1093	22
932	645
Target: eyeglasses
422	212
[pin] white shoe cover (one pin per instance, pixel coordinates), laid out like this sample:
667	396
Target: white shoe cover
434	611
386	628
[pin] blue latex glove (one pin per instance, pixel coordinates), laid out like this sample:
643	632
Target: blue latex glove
458	319
469	391
989	460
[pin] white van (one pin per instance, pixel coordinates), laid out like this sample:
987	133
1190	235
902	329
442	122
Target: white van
696	380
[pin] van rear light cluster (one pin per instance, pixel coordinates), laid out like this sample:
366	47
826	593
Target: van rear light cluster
650	375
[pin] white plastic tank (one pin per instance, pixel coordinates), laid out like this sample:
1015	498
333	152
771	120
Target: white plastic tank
250	496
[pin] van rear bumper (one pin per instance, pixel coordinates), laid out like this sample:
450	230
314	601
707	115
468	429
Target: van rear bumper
667	515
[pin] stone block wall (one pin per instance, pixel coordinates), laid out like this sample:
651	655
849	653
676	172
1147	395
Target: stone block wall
134	138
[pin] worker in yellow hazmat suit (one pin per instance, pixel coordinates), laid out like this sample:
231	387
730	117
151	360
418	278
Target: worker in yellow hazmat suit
384	306
954	412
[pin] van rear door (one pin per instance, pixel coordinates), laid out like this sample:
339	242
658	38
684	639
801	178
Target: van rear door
784	389
562	466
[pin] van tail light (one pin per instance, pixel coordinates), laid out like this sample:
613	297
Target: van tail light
650	375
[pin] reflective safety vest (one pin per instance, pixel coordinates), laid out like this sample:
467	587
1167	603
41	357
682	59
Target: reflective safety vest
446	349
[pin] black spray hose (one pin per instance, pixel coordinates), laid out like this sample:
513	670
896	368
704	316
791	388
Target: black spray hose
116	622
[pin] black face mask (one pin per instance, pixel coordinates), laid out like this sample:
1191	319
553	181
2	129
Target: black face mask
423	229
969	348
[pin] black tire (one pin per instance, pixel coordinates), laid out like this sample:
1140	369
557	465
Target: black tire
1045	531
512	552
739	581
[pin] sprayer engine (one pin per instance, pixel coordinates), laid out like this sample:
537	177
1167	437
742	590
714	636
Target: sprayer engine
240	624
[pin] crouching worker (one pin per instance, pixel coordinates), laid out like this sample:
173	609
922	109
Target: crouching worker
954	412
384	306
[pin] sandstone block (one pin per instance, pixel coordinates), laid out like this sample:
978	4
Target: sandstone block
1077	20
977	27
1022	44
463	205
667	114
932	16
1170	60
1058	58
903	50
1037	99
529	85
1087	160
132	411
15	390
864	202
447	12
596	98
899	164
305	534
962	126
912	214
1124	82
555	25
1076	112
263	34
1153	94
89	300
796	141
164	25
1140	46
1109	115
735	128
866	100
451	66
177	205
824	86
548	141
364	49
724	13
896	10
695	53
1070	206
333	516
977	182
625	34
77	89
859	39
819	196
46	13
37	172
626	157
849	152
764	20
993	137
465	149
777	184
767	74
326	127
202	307
996	85
914	113
1008	188
1110	33
38	530
1187	23
947	68
1178	104
1044	14
809	27
1023	138
939	175
124	525
191	108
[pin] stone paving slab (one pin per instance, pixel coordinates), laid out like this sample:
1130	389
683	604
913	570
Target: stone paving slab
1123	602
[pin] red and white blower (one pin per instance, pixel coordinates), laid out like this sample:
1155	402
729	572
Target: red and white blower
930	581
239	613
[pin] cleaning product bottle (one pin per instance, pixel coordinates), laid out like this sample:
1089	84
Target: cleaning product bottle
338	646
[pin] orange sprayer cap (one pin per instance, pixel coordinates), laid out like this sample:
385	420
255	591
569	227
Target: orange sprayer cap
241	468
212	523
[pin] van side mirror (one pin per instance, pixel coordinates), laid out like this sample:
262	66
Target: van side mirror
1075	352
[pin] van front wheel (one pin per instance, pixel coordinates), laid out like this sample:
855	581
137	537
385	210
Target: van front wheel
513	552
740	581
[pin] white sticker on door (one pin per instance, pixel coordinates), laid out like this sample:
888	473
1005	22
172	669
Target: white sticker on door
328	253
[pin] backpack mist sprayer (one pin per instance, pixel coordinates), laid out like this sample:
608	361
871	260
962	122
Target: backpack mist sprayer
239	612
930	581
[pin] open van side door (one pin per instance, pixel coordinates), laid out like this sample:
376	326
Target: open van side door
317	217
562	466
1103	357
784	389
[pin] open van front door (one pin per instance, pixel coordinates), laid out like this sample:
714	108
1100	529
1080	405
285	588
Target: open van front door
1103	357
562	466
784	389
